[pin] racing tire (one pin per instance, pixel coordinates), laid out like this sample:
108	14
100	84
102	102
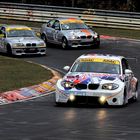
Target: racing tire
135	97
9	50
64	43
125	100
97	45
43	37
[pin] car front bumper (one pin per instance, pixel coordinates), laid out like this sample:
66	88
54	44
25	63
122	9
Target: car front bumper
84	42
113	97
28	51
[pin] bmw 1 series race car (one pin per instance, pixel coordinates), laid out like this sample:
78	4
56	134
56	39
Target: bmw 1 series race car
20	40
98	79
69	32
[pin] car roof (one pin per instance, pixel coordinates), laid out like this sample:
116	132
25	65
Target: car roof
103	56
14	26
64	18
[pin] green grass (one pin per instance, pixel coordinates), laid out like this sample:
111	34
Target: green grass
134	34
15	73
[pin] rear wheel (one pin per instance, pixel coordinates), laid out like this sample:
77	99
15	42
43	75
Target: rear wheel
64	43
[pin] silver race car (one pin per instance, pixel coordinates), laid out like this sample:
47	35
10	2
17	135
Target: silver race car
20	40
98	79
69	32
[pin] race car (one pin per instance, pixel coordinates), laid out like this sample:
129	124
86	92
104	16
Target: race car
20	40
69	32
98	79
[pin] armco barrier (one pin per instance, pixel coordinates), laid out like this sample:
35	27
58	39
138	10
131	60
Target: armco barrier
94	17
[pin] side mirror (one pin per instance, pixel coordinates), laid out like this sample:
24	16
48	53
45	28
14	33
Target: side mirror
38	34
128	72
90	27
66	68
2	35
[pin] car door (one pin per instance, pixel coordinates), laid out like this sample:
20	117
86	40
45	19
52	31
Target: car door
128	77
57	34
49	30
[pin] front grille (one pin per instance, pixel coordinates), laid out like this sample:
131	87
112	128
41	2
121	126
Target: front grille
31	44
83	37
89	37
85	86
81	86
93	86
86	37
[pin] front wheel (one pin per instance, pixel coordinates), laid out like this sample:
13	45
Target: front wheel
9	50
135	97
96	45
125	99
64	43
44	38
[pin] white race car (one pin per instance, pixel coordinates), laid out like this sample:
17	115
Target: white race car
98	79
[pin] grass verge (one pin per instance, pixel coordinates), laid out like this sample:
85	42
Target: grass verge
17	73
134	34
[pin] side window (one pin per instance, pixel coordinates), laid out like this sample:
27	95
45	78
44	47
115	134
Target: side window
56	25
50	23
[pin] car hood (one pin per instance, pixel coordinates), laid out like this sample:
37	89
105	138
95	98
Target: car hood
79	32
24	40
85	78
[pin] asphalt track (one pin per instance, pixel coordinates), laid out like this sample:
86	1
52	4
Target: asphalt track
40	119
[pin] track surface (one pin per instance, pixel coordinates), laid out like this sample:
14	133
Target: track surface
40	119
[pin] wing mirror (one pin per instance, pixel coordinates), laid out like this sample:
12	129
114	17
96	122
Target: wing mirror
66	68
38	34
2	35
90	27
128	72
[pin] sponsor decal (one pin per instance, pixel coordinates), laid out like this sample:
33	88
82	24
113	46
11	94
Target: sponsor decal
92	77
18	28
71	20
110	61
86	32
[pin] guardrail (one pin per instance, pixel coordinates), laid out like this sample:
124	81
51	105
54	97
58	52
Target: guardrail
93	17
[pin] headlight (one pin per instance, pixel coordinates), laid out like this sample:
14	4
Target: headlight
41	44
110	86
96	35
73	37
67	84
18	45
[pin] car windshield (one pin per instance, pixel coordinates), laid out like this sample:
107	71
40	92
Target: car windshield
20	33
73	26
96	67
